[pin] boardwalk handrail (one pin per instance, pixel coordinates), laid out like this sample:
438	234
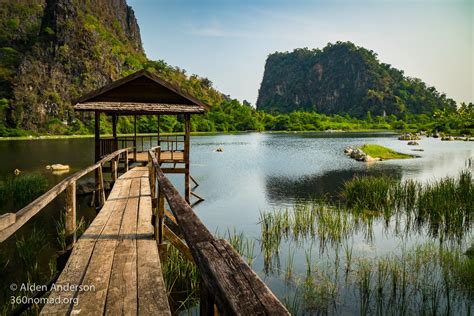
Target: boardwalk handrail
227	280
11	222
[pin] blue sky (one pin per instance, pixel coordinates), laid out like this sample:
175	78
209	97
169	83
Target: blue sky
228	41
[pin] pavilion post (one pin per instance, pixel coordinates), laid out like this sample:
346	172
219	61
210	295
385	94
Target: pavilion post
97	136
135	138
97	154
187	134
114	131
158	131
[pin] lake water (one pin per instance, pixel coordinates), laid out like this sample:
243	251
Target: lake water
259	172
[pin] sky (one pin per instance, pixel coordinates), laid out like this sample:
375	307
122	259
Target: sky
228	41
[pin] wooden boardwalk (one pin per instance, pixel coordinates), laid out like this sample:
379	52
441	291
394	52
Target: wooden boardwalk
118	256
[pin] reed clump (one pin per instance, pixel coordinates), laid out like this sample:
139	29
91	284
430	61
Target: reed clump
181	279
444	206
421	280
22	189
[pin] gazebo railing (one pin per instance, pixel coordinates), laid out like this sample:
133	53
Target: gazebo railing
142	143
227	281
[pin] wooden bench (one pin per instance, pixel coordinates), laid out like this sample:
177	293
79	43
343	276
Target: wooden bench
117	258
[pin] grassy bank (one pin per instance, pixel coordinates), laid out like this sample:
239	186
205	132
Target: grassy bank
377	151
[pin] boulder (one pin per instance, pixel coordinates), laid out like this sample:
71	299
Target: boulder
447	138
59	167
348	151
409	136
358	154
413	143
368	158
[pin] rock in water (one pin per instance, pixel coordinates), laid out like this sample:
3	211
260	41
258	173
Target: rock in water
413	143
59	167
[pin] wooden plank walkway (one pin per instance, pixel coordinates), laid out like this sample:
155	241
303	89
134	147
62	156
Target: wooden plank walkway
118	256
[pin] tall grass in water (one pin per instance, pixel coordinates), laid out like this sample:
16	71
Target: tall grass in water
421	280
444	206
182	276
181	279
369	193
61	230
22	189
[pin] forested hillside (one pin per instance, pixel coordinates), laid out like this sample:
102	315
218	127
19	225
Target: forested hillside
52	51
55	50
343	78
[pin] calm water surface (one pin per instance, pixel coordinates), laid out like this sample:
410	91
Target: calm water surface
259	172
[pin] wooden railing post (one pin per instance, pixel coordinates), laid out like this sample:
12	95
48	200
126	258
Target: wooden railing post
101	186
114	170
70	216
126	160
161	214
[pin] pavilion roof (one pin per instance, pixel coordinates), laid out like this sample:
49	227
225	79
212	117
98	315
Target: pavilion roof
140	93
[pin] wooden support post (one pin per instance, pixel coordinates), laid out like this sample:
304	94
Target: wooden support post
206	301
70	215
126	160
135	138
114	131
101	190
97	152
187	134
158	131
97	136
161	214
114	168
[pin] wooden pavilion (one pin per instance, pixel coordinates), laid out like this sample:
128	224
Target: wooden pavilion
143	93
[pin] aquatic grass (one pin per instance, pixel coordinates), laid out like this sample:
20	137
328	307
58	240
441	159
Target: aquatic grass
243	245
383	152
444	206
61	230
29	246
22	189
289	265
368	193
181	279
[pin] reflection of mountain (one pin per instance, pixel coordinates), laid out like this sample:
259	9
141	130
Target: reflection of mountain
281	189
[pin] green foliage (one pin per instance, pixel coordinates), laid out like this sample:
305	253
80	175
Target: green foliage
383	152
343	78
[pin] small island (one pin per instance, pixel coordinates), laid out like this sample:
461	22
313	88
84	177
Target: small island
371	152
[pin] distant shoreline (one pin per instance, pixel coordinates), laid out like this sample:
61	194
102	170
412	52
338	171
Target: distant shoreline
47	137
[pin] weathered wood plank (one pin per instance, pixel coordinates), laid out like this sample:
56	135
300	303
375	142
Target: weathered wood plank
78	261
152	298
100	266
122	293
144	187
178	243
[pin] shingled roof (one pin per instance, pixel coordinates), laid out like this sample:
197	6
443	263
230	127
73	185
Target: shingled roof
140	93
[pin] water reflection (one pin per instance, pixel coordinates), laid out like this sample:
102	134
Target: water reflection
283	190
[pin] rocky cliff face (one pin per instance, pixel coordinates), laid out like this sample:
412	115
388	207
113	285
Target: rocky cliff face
343	79
53	51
